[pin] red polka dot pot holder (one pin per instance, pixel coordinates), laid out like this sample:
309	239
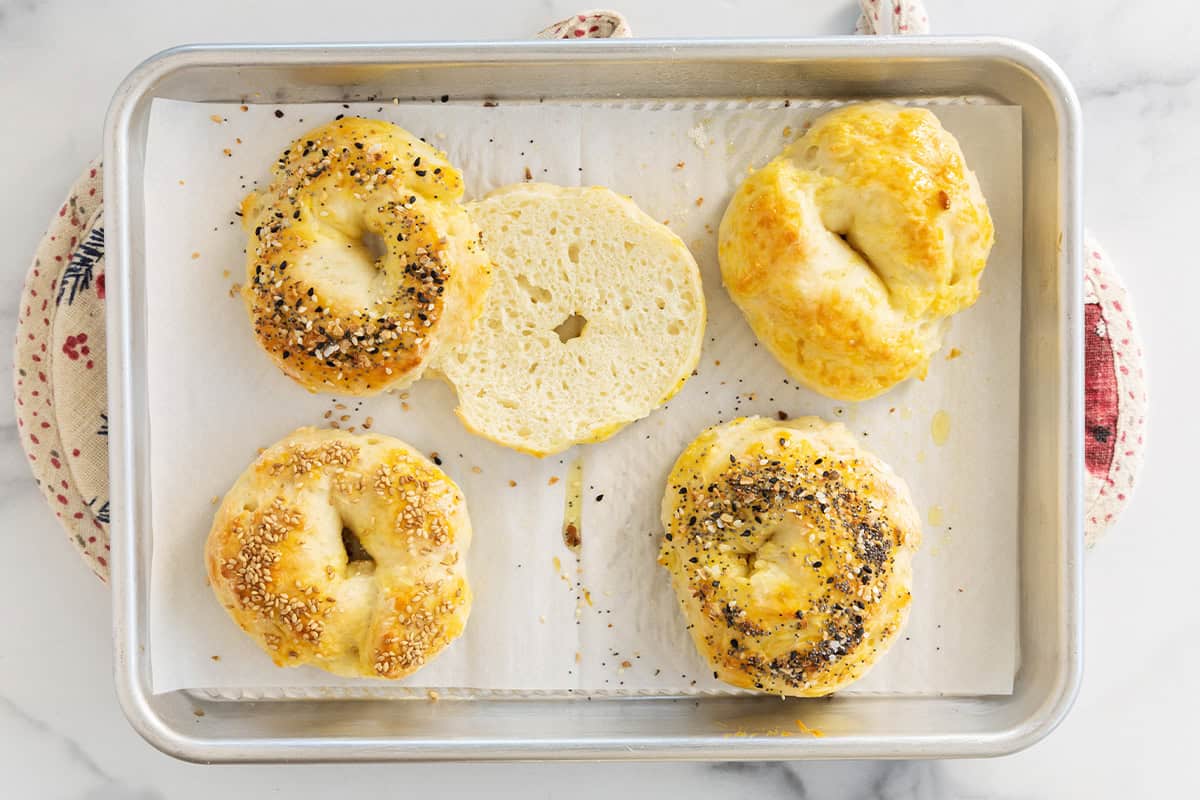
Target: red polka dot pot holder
59	370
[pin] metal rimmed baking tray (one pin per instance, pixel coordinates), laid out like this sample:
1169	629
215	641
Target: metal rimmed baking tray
637	728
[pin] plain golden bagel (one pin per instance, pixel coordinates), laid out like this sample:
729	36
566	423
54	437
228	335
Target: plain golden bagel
361	264
849	252
595	318
344	552
790	550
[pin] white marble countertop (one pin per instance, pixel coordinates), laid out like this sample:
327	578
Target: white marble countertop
1137	70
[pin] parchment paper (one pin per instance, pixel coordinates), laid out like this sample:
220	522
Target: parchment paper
544	620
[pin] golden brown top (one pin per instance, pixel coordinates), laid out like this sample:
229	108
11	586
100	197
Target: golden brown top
345	552
360	261
849	251
790	550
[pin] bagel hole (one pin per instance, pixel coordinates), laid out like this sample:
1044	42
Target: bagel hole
850	243
571	328
355	552
375	245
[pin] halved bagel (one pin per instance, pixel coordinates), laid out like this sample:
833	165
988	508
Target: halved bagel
361	263
595	317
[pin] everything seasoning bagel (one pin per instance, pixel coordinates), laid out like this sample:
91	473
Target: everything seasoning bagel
790	551
360	262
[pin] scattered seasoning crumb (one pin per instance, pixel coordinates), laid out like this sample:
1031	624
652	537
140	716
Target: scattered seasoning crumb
717	363
245	108
578	657
353	428
404	406
340	406
328	414
571	536
476	470
215	658
434	696
490	104
199	712
528	174
953	354
224	273
278	113
626	664
553	480
235	289
368	423
215	500
680	165
334	424
216	118
437	459
787	131
782	416
238	140
699	202
181	181
511	482
599	497
195	254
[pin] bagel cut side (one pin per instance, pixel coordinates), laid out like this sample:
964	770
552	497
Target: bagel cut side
595	317
361	264
849	252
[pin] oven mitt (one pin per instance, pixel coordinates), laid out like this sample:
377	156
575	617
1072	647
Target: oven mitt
59	366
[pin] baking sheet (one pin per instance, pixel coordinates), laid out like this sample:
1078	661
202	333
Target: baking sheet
544	620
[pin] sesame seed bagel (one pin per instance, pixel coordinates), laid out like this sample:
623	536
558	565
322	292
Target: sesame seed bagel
790	549
595	317
344	552
361	264
849	252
